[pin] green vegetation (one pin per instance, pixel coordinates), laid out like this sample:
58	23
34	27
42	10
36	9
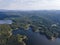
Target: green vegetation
38	24
7	38
46	25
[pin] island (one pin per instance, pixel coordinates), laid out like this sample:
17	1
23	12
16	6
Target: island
25	20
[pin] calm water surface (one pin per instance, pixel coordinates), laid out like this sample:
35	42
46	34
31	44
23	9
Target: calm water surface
36	38
5	21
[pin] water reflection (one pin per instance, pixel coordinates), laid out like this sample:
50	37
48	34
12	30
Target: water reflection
5	21
35	38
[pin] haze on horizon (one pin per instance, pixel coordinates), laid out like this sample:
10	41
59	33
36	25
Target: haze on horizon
30	4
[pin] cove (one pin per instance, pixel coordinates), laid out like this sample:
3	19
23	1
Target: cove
35	38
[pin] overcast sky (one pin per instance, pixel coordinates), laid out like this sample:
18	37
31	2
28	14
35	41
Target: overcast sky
30	4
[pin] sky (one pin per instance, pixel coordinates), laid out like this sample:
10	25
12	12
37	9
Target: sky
30	4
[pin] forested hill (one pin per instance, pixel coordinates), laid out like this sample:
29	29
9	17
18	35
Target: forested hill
52	15
44	22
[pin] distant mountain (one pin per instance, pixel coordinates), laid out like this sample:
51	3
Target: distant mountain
52	15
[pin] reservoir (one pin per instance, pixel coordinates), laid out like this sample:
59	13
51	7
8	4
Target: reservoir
5	21
35	38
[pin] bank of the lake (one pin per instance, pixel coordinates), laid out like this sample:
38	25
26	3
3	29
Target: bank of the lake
35	38
6	22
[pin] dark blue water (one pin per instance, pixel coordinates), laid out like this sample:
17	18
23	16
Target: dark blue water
35	38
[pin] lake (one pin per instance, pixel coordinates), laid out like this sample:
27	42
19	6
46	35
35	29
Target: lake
35	38
5	21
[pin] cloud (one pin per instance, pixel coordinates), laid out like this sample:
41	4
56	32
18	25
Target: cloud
0	0
30	4
5	3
